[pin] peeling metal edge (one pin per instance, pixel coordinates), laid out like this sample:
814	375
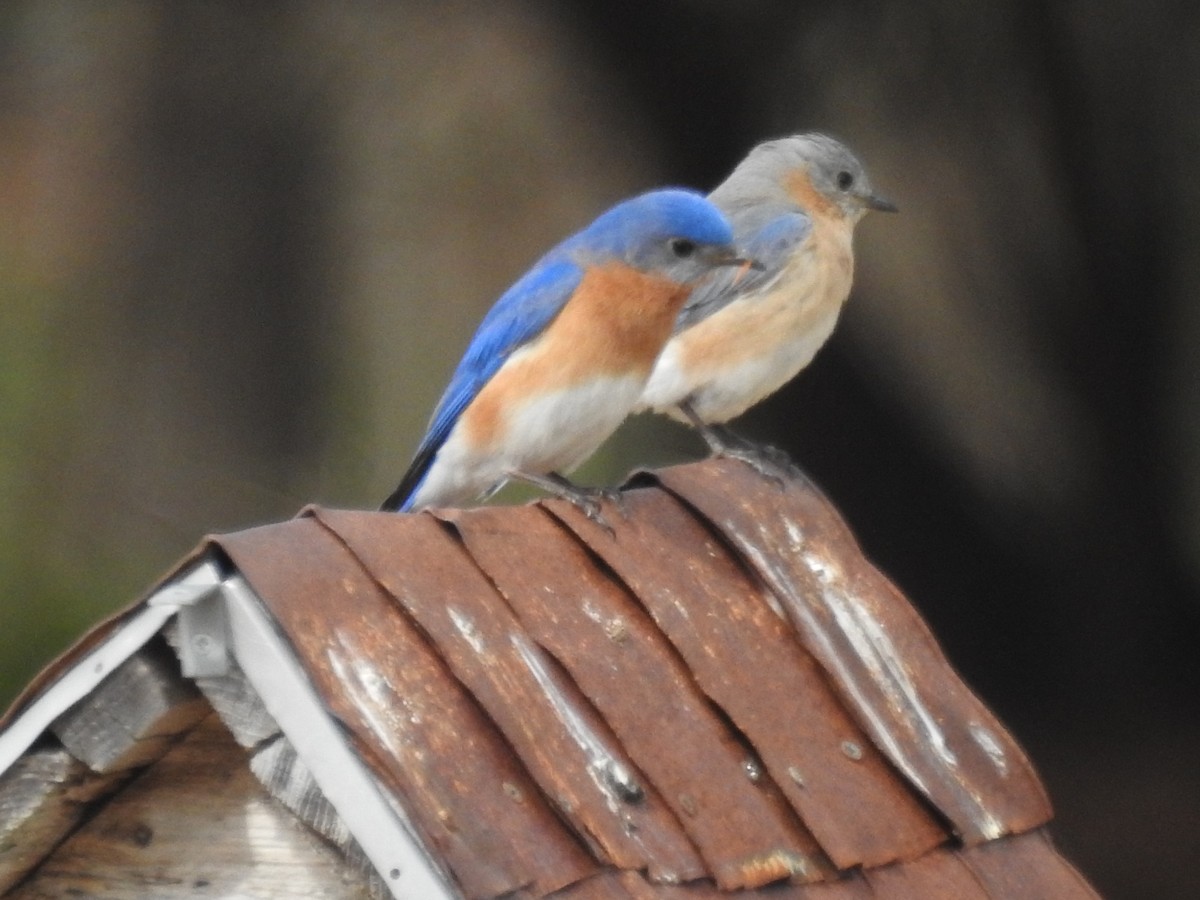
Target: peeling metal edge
847	613
372	815
94	666
272	669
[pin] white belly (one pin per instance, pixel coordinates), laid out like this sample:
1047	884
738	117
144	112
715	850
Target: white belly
553	433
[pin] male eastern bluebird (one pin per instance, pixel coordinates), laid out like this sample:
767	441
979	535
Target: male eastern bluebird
742	335
558	363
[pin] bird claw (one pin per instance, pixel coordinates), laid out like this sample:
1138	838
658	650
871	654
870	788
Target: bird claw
616	498
768	461
588	501
591	507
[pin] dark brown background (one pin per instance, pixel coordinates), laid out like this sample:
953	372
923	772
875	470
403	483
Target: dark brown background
241	252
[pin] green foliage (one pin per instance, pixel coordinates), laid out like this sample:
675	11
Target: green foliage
48	595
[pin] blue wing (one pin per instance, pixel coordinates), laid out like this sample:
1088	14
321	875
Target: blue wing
520	315
771	244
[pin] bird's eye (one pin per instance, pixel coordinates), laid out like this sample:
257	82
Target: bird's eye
682	247
844	180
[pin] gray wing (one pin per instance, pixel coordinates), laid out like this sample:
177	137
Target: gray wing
771	244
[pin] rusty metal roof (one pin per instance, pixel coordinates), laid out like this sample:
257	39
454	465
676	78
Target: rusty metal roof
719	697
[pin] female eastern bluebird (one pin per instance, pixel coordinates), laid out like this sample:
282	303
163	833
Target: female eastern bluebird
793	204
558	363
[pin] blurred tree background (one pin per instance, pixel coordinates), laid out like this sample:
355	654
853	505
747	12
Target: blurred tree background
243	246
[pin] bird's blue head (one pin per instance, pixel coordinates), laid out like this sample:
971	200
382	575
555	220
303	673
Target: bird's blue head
672	233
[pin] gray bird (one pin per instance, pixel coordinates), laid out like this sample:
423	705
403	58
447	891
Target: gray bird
744	333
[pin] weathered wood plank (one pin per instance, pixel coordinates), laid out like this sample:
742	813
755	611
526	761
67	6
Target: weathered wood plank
134	715
196	823
289	781
277	765
239	706
42	797
235	701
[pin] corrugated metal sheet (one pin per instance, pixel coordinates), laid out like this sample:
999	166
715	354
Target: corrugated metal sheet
720	697
880	655
419	728
721	692
682	747
746	659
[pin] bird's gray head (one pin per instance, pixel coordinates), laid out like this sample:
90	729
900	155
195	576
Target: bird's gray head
805	170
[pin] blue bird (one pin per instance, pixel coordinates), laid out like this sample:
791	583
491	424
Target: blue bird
559	361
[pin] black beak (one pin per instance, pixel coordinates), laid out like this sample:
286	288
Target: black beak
731	258
881	204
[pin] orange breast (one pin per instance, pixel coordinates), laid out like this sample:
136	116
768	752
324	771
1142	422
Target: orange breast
618	321
812	201
814	285
615	324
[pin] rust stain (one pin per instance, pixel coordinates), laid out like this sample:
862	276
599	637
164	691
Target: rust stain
747	659
420	732
563	743
940	875
722	698
1026	865
878	653
645	693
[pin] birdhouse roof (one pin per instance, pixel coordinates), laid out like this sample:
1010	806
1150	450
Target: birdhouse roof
716	696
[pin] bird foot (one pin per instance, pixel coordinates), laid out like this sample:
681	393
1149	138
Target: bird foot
587	500
613	496
590	502
591	507
768	461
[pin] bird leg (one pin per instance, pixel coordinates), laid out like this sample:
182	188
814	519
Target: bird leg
769	462
586	500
